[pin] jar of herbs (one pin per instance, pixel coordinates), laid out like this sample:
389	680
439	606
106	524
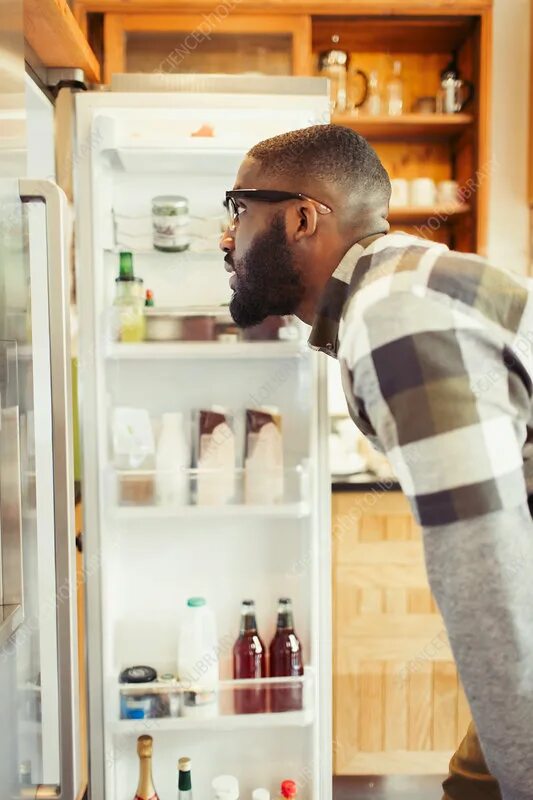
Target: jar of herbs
170	220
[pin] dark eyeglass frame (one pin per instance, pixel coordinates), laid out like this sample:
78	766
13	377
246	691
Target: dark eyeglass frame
266	196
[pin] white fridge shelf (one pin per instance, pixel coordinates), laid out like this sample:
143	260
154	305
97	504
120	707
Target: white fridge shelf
198	156
155	513
288	719
208	350
212	494
293	699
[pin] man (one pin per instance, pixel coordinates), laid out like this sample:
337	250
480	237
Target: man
435	350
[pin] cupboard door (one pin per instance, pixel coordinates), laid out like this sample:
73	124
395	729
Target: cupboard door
398	705
220	42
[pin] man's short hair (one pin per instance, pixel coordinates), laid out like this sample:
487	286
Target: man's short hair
330	153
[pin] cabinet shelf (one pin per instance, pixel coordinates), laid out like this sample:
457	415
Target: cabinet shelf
413	214
412	126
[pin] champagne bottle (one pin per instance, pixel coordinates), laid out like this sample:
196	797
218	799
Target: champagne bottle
184	780
145	789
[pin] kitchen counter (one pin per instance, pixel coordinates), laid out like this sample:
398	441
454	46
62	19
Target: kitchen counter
364	482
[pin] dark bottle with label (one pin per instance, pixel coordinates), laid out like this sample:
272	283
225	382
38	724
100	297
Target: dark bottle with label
249	661
286	660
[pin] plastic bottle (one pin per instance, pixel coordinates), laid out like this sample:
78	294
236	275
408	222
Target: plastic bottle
171	462
198	665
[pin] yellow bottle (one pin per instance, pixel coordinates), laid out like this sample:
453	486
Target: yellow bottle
129	303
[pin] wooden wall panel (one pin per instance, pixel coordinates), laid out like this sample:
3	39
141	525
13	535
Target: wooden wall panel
399	707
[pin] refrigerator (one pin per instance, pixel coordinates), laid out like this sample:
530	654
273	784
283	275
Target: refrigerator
152	136
39	702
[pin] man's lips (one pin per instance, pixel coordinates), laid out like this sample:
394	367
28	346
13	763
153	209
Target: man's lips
228	266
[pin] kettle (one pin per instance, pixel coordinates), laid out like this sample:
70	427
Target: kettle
455	92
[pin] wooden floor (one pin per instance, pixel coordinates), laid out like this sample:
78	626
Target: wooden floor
397	788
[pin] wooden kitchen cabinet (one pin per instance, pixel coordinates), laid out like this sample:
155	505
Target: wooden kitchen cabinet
398	705
207	43
272	37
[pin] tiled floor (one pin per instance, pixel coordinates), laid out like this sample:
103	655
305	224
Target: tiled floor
397	788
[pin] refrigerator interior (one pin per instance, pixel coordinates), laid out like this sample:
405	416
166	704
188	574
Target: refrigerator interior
149	559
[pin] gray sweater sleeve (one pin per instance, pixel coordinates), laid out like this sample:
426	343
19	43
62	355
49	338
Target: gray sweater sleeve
480	572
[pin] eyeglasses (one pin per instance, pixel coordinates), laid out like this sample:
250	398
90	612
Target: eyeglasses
266	196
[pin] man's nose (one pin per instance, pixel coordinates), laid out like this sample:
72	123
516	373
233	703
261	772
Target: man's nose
227	242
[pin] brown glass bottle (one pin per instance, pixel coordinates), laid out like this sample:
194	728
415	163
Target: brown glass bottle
286	660
145	789
249	661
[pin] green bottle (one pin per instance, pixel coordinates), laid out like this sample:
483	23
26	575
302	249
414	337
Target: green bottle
184	779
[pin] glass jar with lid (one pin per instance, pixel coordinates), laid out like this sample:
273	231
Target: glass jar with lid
171	223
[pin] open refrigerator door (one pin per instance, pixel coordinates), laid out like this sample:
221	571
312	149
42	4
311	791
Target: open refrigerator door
204	450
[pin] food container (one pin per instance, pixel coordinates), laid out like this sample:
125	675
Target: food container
198	328
163	325
136	488
171	223
138	704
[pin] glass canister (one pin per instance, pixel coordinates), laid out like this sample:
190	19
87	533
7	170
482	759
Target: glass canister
171	223
129	303
333	64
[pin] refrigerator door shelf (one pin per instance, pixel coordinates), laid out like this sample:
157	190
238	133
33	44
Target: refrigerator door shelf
118	351
295	695
212	492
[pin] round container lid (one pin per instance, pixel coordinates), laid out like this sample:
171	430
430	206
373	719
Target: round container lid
138	674
260	794
175	200
226	785
196	602
288	789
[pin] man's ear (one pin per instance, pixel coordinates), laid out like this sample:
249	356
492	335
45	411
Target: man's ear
305	222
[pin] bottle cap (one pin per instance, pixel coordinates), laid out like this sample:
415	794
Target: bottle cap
288	789
260	794
144	746
196	602
126	267
226	786
184	764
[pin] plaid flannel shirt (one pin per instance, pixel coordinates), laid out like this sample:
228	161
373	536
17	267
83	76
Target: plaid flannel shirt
435	351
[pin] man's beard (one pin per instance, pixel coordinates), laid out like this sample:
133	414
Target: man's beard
268	282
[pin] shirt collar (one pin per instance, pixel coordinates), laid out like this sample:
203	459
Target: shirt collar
325	331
